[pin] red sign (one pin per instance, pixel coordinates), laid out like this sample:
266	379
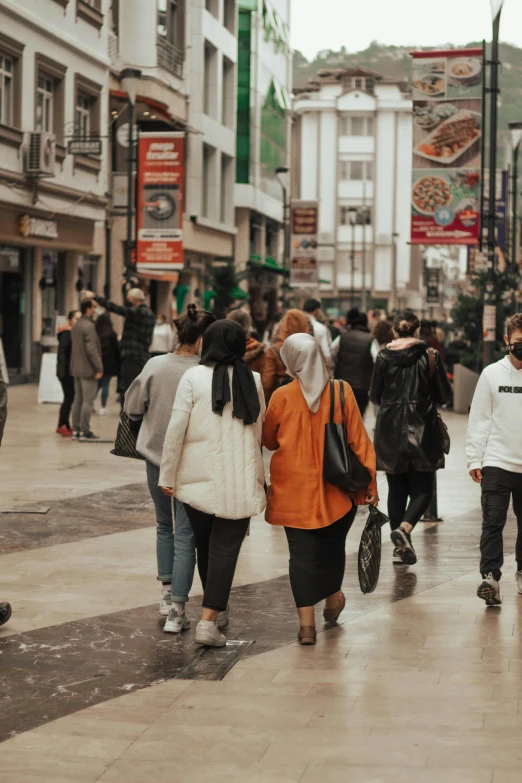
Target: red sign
161	172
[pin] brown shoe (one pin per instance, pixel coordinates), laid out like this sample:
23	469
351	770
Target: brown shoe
332	615
307	634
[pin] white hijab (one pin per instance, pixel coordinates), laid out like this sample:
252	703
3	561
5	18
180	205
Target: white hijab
303	360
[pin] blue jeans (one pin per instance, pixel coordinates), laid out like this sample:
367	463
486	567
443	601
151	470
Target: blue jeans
176	553
104	384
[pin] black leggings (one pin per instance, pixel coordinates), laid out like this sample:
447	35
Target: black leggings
218	543
415	485
68	398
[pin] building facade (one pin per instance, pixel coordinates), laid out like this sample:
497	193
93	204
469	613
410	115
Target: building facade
54	74
352	141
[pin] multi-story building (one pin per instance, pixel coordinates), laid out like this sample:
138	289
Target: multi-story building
54	74
263	146
352	142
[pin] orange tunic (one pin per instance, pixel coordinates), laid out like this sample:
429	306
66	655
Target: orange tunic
298	496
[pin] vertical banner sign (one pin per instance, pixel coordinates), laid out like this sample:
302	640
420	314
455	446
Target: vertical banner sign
161	172
304	221
478	262
447	132
432	286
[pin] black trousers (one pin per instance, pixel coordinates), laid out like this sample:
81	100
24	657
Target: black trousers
218	543
68	398
414	485
362	398
318	560
498	486
130	368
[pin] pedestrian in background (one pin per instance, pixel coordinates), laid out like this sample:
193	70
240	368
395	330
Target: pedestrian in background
136	337
274	372
494	452
162	337
316	515
354	361
63	372
382	335
150	398
86	369
255	350
212	462
5	607
312	308
407	433
110	349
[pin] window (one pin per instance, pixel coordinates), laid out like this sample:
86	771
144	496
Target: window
356	170
87	118
170	21
90	11
358	126
370	131
362	215
206	196
45	104
227	189
210	80
230	15
370	86
82	117
6	90
228	103
212	7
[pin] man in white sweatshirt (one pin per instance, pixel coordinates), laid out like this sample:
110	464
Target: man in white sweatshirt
494	452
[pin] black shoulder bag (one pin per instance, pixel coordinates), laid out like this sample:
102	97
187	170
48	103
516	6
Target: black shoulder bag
442	429
341	467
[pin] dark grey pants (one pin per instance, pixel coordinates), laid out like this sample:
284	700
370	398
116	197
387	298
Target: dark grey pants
85	390
498	486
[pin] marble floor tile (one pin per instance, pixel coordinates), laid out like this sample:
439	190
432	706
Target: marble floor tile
243	717
192	772
330	754
489	757
375	705
382	720
345	774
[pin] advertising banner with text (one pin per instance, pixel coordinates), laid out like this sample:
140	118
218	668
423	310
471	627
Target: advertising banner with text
304	222
447	146
161	172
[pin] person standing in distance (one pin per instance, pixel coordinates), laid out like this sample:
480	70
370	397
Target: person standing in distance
86	369
494	452
312	308
63	372
355	362
5	607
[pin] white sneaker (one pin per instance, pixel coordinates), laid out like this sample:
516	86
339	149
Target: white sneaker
208	633
175	623
223	618
518	577
103	411
165	604
489	591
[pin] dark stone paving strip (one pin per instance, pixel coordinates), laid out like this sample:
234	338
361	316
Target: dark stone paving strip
113	511
55	671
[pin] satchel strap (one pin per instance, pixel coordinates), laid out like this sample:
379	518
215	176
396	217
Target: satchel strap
332	401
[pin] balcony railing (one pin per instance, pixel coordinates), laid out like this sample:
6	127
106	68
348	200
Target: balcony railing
114	49
170	57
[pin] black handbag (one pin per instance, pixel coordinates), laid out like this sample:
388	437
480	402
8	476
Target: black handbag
369	556
442	430
126	438
341	467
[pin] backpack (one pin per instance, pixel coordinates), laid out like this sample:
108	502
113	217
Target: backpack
281	380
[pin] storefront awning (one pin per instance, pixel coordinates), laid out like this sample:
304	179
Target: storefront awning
269	264
162	277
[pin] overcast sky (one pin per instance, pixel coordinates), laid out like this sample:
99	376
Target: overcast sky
330	24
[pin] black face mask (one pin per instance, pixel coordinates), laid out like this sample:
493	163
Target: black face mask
516	350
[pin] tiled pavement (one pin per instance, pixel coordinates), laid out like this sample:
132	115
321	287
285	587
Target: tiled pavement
420	682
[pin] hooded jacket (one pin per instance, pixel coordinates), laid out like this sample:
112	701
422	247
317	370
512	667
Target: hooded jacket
407	432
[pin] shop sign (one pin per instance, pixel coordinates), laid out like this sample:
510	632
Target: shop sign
37	227
161	174
432	286
304	223
85	147
447	146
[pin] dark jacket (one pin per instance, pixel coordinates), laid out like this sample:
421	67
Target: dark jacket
407	432
3	406
137	331
110	348
63	363
86	356
354	362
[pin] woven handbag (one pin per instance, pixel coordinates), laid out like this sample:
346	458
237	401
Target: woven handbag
369	557
126	438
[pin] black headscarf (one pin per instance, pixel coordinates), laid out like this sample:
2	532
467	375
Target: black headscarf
224	345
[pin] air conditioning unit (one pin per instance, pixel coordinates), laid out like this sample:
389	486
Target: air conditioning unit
41	154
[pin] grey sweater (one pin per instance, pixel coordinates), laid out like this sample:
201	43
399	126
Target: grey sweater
151	396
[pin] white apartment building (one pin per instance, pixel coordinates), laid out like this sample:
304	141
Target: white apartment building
54	73
352	153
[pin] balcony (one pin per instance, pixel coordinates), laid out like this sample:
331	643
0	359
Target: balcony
170	57
114	50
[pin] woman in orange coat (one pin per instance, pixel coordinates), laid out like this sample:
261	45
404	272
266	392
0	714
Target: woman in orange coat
274	372
316	515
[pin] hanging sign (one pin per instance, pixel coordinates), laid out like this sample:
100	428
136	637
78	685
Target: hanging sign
432	286
304	222
447	146
161	172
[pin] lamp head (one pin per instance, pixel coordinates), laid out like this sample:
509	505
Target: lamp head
515	129
130	79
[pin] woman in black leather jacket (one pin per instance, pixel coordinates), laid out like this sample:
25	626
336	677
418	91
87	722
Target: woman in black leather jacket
408	386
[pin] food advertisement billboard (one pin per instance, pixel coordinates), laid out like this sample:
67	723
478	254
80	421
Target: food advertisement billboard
304	222
447	146
161	165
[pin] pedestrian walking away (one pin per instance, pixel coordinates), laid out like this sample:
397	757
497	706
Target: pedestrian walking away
162	337
86	369
255	350
274	371
321	332
63	373
316	515
110	348
409	439
354	362
212	463
5	607
137	334
494	453
150	398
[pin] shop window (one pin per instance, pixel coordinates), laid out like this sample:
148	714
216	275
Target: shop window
88	267
49	112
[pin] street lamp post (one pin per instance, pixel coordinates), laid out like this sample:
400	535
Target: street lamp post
130	78
490	294
516	138
353	222
281	173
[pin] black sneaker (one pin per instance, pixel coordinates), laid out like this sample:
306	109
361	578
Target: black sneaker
76	435
402	541
5	612
89	437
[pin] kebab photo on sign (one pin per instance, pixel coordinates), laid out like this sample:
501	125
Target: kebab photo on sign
447	134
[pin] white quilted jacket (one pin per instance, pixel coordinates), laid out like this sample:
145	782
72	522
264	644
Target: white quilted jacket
213	462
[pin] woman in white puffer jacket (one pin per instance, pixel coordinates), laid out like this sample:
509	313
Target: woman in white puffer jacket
212	462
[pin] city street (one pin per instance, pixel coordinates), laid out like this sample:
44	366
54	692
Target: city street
419	682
